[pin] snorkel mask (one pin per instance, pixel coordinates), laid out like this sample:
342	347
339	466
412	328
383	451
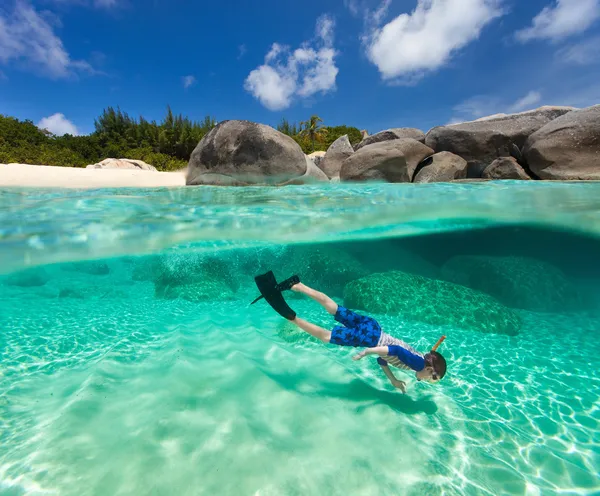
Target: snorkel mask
433	350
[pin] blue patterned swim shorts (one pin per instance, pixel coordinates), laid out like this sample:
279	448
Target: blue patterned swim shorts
356	330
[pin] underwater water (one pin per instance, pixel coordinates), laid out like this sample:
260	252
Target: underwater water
131	360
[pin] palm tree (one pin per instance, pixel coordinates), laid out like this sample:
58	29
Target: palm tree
313	130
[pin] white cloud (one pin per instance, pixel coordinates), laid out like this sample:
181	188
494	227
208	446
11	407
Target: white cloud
302	73
411	45
26	37
105	3
561	19
526	103
485	106
584	53
58	124
188	81
242	51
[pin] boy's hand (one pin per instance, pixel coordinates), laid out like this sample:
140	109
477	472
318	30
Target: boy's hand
401	385
360	355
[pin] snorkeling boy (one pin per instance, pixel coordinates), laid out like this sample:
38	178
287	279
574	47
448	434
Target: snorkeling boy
362	331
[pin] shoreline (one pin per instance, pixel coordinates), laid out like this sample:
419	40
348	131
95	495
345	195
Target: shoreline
47	176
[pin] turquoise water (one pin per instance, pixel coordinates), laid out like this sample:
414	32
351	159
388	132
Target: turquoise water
132	363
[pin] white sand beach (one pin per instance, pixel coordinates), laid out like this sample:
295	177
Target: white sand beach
72	177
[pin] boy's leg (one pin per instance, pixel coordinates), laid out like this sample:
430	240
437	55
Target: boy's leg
314	330
321	298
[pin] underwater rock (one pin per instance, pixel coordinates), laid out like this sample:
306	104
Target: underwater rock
325	268
339	151
505	168
392	134
567	148
482	141
518	282
392	161
444	167
70	293
241	152
29	278
91	268
207	289
431	301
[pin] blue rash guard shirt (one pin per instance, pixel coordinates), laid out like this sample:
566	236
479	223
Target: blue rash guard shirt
400	354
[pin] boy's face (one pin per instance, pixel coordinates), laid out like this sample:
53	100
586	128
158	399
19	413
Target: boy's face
428	375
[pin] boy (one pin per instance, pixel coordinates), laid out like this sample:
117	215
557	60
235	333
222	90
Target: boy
361	331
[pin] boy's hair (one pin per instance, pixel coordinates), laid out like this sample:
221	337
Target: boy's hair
438	362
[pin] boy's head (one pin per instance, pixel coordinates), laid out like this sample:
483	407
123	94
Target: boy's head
435	368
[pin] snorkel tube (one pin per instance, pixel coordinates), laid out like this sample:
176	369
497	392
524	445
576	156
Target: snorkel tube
436	345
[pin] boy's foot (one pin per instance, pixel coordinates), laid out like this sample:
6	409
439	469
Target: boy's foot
288	283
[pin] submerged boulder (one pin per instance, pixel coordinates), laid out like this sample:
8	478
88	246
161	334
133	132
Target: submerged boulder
92	268
518	282
392	161
243	153
325	267
431	301
392	134
482	141
207	289
567	148
505	168
339	151
441	167
28	278
122	163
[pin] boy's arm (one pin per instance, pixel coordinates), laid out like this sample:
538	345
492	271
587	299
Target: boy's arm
390	375
378	350
382	351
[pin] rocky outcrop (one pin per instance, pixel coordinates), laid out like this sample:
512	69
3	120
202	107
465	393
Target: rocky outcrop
392	161
244	153
317	158
313	174
518	282
505	168
392	134
431	301
339	151
483	141
122	163
441	167
567	148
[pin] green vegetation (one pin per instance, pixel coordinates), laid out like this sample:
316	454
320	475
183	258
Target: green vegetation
313	137
166	145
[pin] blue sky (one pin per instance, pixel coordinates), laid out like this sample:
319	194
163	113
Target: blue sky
374	64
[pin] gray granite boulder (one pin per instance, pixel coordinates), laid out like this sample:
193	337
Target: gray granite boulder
392	161
313	174
339	151
505	168
442	167
246	153
482	141
518	282
392	134
122	163
567	148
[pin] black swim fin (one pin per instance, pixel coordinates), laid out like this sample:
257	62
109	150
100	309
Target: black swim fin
271	292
